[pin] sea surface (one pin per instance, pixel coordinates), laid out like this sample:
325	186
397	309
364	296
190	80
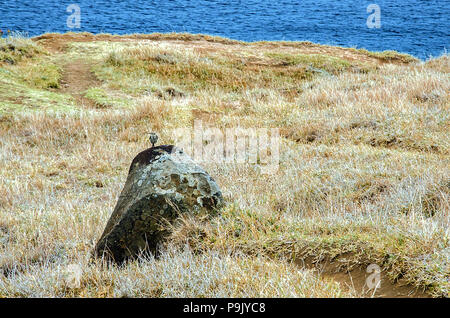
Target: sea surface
418	27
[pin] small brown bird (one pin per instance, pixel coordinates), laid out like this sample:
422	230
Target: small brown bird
153	138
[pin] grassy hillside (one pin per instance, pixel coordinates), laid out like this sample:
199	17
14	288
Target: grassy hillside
363	175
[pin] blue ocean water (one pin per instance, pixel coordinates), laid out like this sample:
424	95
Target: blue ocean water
418	27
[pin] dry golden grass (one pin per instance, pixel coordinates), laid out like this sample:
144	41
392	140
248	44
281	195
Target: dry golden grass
176	273
363	169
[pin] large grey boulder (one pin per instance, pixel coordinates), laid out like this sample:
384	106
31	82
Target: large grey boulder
162	183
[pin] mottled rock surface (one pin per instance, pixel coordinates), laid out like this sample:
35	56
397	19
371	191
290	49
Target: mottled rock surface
162	183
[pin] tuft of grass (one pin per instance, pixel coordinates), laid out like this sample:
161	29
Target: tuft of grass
201	69
27	71
390	56
439	64
104	100
45	75
316	62
355	242
176	274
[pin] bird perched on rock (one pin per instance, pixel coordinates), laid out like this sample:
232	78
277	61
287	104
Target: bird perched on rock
153	138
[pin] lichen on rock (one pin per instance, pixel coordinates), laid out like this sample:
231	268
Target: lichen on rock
162	183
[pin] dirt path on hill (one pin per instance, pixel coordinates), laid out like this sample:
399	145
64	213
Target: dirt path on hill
77	77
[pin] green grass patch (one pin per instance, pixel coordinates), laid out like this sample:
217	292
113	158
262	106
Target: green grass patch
17	95
390	56
105	99
327	63
400	253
